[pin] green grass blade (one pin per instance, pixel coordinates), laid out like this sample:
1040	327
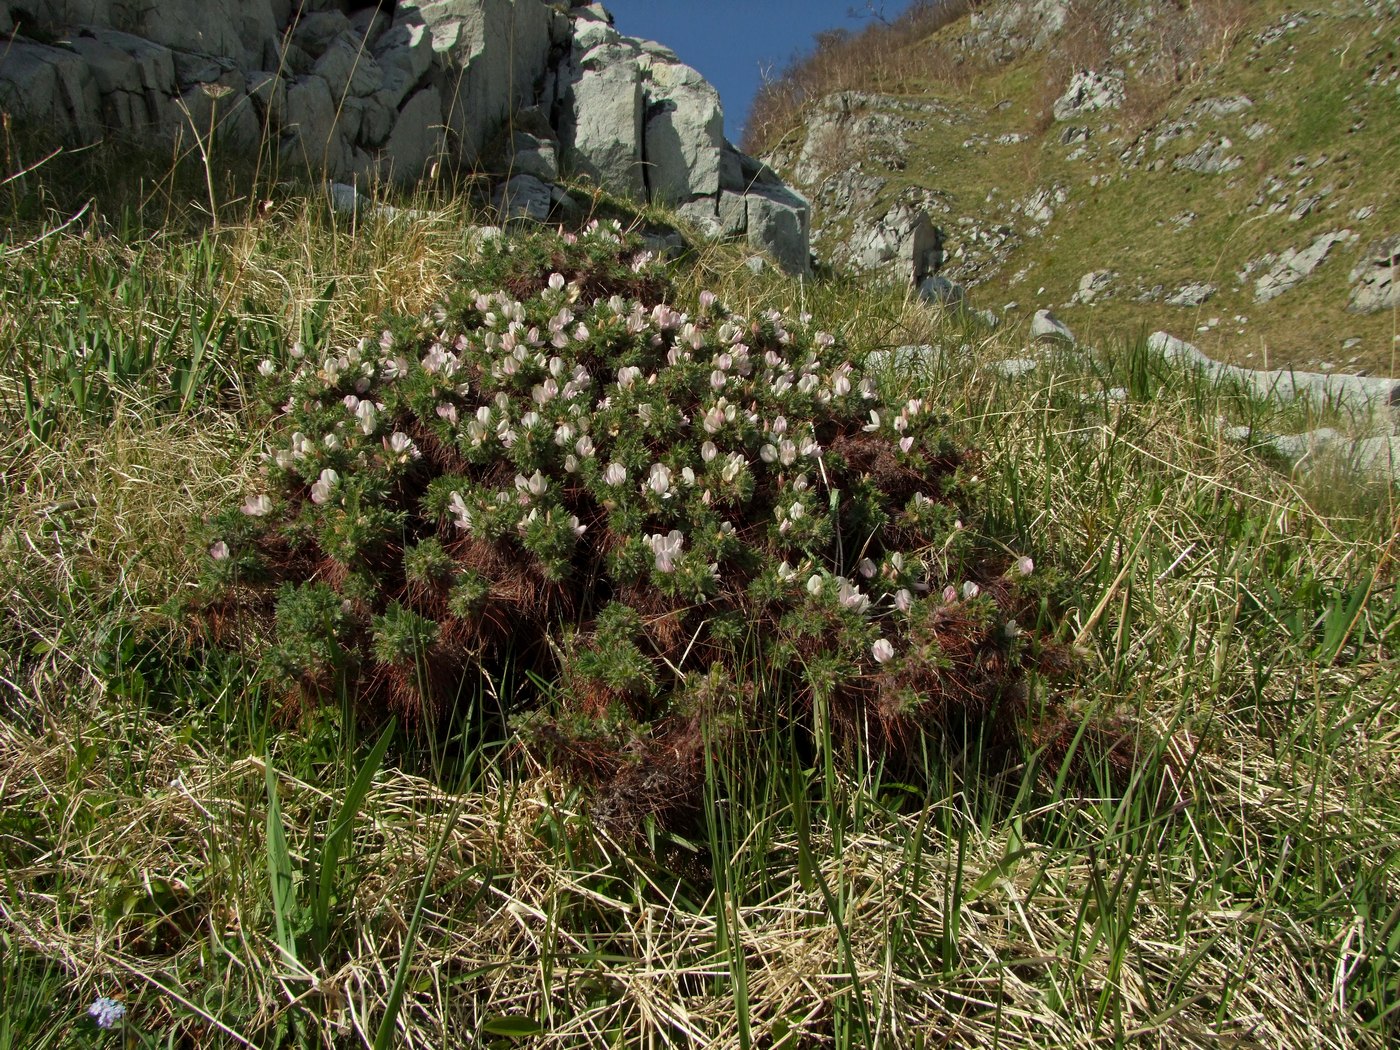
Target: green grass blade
279	867
340	832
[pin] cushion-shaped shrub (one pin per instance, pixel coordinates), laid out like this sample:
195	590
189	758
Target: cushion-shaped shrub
660	505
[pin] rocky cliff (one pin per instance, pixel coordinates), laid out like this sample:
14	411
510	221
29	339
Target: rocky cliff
533	93
1223	168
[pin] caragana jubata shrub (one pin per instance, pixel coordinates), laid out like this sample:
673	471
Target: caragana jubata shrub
657	507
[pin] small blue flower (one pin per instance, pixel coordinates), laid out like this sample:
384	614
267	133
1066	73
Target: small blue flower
108	1013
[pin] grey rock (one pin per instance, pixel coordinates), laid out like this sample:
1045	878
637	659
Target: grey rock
1219	107
348	68
135	77
1093	286
1046	328
1015	367
1376	278
50	90
1293	266
684	132
492	54
756	264
309	135
1378	456
903	242
269	94
223	107
1213	158
668	245
1361	392
1089	92
524	197
378	122
418	138
703	214
940	291
1193	294
602	130
315	31
778	220
533	155
903	358
733	212
243	31
406	49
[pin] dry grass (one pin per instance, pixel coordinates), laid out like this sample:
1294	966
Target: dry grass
1235	883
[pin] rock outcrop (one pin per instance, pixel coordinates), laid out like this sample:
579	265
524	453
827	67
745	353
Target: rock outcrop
366	92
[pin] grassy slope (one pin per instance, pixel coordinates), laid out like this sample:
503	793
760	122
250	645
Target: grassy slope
1310	85
1235	880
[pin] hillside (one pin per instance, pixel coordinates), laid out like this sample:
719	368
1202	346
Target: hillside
1222	170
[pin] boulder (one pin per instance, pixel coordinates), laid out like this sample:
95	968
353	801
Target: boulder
602	128
348	68
315	31
136	78
1093	286
1376	278
940	291
51	89
778	223
222	108
532	154
1047	328
418	138
523	197
1194	294
405	52
269	94
1213	158
732	210
904	242
1352	391
244	31
684	134
309	136
703	213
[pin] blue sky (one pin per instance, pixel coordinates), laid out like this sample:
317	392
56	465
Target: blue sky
731	42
